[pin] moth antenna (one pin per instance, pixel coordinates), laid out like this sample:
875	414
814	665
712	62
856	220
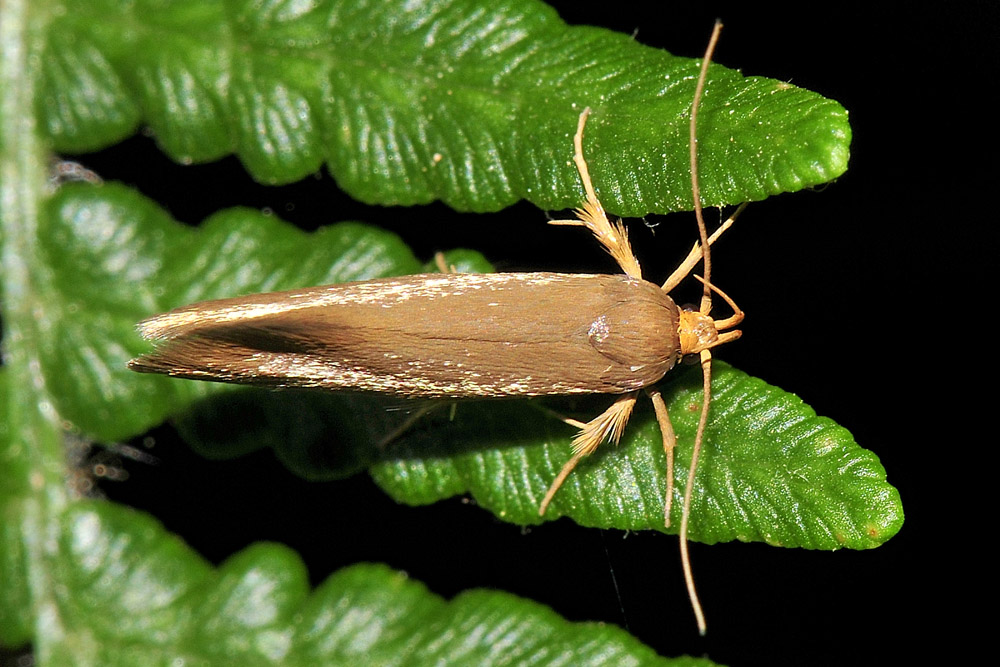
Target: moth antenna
706	373
706	355
706	297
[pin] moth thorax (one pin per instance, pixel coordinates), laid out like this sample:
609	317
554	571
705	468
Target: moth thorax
697	332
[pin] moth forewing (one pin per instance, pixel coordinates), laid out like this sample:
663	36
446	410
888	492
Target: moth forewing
431	335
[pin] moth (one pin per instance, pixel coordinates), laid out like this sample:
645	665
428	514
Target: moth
448	335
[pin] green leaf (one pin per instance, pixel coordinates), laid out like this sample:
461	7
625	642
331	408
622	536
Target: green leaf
466	102
771	470
126	592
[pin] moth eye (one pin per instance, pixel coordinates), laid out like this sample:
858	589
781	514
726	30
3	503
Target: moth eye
689	307
690	359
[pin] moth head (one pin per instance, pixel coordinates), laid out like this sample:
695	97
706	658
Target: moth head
697	332
700	331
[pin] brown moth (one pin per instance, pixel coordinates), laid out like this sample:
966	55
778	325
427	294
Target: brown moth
467	335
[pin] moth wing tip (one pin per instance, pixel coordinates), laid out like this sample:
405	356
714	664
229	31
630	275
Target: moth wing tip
145	330
139	364
158	327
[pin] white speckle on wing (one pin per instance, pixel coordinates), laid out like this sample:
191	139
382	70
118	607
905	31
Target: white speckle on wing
599	329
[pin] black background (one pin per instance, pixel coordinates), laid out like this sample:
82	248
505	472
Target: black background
846	290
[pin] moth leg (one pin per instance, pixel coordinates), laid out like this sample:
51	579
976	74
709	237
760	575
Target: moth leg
426	408
612	235
405	425
693	257
423	410
610	425
669	443
442	265
575	423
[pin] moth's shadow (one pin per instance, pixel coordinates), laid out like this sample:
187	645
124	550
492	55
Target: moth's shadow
322	435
